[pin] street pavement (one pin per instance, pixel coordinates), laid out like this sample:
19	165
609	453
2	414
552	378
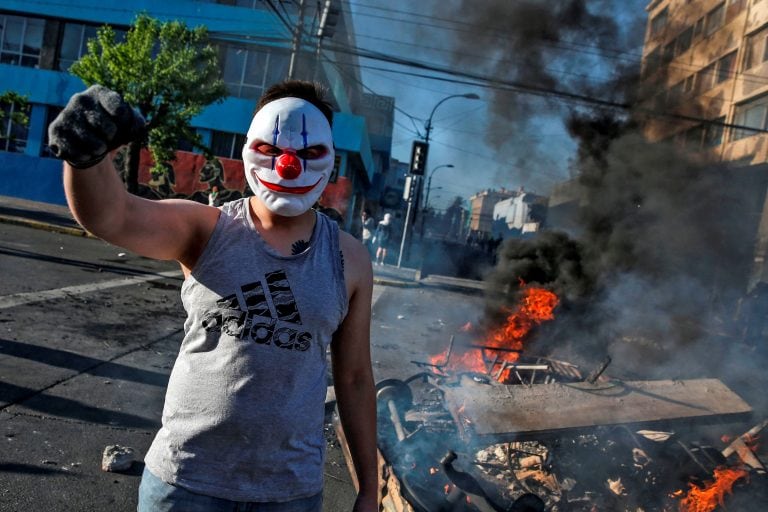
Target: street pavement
89	333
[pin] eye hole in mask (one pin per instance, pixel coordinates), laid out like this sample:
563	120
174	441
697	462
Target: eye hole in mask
310	153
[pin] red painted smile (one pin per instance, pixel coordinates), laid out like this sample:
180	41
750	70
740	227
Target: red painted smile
288	190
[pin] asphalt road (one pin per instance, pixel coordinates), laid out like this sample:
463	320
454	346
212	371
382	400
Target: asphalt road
88	335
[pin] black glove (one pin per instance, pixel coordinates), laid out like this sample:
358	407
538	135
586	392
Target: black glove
93	123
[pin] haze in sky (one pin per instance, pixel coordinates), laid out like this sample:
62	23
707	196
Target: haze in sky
510	53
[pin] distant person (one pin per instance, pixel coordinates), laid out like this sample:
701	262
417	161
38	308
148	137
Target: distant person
213	197
382	237
368	226
271	287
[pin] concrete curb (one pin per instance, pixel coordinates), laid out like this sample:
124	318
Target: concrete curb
54	228
400	284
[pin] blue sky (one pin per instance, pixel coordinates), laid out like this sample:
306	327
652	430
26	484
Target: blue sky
533	154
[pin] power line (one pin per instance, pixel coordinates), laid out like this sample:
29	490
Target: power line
503	84
473	28
747	77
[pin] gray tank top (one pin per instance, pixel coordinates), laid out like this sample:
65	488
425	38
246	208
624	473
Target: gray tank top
244	409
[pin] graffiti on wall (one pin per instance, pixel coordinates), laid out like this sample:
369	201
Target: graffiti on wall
191	176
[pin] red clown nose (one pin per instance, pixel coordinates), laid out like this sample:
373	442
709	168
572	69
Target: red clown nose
288	166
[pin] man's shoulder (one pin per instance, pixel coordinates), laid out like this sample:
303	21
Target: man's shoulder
356	256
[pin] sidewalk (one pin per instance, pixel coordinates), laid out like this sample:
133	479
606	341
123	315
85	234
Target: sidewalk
58	219
52	217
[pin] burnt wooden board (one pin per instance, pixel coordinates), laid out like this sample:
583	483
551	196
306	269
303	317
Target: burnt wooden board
514	412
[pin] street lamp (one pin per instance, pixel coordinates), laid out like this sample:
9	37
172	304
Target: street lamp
428	124
429	183
423	164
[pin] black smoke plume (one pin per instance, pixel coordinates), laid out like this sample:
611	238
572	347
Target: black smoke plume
660	250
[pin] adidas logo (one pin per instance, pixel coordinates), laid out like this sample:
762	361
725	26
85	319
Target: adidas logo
260	312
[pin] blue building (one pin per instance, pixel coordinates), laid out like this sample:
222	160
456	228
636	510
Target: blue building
40	40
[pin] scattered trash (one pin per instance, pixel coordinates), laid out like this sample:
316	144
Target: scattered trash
656	436
616	487
116	458
400	317
121	255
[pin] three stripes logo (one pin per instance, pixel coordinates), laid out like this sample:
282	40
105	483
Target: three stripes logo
264	312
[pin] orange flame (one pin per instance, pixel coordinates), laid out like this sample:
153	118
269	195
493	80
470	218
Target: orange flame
708	498
536	306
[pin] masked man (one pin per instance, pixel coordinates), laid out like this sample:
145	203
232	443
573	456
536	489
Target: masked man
269	285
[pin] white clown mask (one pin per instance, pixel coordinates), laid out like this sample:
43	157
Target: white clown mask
288	155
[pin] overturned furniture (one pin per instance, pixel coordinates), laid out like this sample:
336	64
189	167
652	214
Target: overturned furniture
551	440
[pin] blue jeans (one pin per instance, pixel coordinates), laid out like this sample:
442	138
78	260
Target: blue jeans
158	496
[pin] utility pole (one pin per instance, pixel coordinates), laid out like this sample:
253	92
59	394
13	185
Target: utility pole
411	185
296	45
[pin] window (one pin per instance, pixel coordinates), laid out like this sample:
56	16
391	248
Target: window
757	49
725	67
248	71
668	53
715	19
74	43
228	145
652	61
683	41
699	27
675	92
705	79
13	134
74	39
688	85
751	114
713	133
21	40
659	21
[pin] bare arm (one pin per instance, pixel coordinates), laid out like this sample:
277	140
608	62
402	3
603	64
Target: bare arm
94	122
168	229
353	376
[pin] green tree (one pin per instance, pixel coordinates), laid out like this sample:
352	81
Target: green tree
14	109
165	70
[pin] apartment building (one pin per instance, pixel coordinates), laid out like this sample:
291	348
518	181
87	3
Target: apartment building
705	80
40	40
481	207
706	63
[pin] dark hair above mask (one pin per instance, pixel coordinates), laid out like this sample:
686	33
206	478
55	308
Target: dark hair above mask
311	92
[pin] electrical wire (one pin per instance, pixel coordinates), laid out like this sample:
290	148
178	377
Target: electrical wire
631	57
479	80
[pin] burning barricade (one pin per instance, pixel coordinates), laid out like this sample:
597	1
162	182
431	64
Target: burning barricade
486	427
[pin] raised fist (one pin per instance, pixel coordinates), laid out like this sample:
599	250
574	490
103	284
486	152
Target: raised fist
93	123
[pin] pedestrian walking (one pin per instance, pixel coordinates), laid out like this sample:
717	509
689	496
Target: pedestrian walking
270	285
366	235
382	238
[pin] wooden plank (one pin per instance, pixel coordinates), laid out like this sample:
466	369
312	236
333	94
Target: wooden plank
385	476
512	412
